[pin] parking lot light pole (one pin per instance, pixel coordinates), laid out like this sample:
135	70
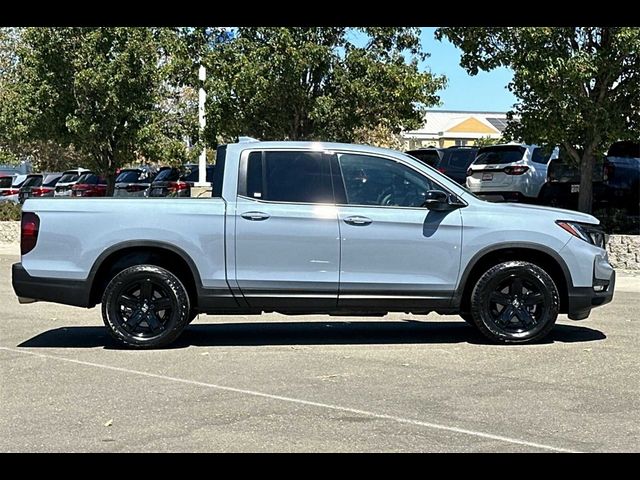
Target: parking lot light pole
202	98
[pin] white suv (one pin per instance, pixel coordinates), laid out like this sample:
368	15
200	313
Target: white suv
510	171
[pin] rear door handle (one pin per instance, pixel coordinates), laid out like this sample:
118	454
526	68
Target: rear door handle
255	216
358	220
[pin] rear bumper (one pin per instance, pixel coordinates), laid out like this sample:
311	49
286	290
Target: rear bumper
582	299
57	290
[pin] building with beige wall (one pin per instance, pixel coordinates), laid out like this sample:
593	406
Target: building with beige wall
445	128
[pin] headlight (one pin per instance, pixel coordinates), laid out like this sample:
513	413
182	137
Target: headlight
588	232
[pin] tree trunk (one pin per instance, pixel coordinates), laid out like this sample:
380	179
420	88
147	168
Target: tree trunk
585	197
111	183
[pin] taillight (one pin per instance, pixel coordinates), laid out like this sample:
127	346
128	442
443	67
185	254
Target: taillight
11	191
38	192
29	227
608	172
177	186
516	170
442	170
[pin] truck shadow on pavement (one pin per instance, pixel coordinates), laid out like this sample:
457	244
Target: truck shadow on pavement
305	333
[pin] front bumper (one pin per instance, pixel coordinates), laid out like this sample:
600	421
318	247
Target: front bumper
582	299
57	290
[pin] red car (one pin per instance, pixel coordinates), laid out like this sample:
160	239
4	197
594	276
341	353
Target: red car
89	185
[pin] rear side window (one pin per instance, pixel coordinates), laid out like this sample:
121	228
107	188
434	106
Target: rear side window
5	182
295	177
499	155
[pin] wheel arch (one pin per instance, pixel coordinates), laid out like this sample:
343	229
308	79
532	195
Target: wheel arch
126	254
540	255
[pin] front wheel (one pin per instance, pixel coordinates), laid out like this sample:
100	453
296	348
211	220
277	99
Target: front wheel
515	302
145	306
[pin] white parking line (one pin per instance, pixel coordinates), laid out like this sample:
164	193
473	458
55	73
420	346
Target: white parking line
299	401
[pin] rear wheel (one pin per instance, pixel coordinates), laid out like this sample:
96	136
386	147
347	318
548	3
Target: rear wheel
515	302
145	306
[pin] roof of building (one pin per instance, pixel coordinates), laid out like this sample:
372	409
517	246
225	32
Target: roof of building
439	121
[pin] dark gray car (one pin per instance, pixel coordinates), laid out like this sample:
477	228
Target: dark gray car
132	182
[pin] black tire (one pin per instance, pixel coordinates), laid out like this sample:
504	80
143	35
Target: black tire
145	306
525	313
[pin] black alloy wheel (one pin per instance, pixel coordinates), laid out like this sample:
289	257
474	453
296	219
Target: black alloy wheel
515	302
145	307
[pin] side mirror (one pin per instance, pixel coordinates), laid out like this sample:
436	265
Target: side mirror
436	200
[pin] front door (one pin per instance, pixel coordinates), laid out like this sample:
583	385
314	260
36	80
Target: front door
394	252
287	240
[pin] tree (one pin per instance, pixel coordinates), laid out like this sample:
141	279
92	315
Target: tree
329	83
577	86
93	88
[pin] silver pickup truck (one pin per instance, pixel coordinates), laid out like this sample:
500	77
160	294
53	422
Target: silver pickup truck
308	228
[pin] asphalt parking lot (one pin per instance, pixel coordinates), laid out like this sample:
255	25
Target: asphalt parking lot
315	384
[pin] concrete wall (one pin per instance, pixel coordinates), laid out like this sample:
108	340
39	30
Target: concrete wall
624	250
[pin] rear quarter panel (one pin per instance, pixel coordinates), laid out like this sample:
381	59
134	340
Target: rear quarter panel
75	232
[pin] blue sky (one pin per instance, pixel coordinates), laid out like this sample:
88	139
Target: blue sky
485	91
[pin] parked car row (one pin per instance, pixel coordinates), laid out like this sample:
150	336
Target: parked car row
536	174
81	182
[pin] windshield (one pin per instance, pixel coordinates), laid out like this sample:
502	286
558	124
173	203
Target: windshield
168	175
129	176
51	180
499	155
458	158
33	182
69	177
90	179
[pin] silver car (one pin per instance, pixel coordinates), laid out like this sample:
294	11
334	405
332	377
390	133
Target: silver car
69	179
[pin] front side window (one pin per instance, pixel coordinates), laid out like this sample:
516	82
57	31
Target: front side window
370	180
295	177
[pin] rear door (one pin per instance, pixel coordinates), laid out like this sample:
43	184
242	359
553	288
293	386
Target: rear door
287	239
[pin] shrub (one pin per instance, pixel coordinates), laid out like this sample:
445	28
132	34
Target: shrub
10	211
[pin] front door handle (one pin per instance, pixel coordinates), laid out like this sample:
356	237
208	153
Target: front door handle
255	216
358	220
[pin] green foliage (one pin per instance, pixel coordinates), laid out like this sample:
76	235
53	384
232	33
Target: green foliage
99	90
10	211
277	83
577	86
486	141
618	221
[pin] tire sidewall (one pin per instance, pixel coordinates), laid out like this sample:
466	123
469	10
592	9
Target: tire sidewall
487	283
173	286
